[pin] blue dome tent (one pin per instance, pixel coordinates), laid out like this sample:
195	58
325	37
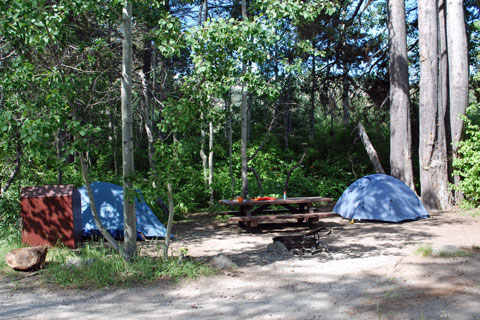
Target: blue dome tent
109	203
380	197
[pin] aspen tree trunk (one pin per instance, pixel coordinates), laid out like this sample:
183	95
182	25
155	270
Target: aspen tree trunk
203	136
210	162
230	147
458	74
401	165
170	220
207	162
130	230
244	127
432	144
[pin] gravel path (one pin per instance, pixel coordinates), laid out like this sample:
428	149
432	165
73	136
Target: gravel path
370	273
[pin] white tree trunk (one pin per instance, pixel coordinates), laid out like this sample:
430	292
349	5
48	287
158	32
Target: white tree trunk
457	73
401	165
130	229
432	144
203	156
210	162
244	127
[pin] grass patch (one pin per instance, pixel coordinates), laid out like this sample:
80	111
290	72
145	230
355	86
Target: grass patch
424	251
97	266
472	212
444	252
457	253
100	267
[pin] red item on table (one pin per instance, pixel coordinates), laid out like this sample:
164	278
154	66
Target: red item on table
264	198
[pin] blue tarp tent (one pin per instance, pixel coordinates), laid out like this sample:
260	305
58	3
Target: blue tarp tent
109	203
380	197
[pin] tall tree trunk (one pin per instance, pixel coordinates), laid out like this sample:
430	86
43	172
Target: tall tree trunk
170	220
312	94
244	127
401	165
210	162
130	228
147	94
60	145
287	115
345	97
2	97
458	74
112	125
203	155
432	144
230	147
207	161
443	105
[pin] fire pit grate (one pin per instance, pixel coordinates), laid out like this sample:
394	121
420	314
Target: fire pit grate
308	243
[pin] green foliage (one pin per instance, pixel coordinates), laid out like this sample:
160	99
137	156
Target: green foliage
101	267
9	218
467	165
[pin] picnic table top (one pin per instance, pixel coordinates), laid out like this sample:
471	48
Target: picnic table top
279	201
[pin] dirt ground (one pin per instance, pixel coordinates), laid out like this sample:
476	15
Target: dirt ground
370	272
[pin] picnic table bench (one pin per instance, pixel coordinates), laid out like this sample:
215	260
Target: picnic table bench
250	212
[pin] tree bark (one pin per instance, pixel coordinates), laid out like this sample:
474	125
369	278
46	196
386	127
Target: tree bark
210	162
401	166
244	127
458	74
372	153
432	144
230	148
147	93
345	97
203	156
130	231
170	220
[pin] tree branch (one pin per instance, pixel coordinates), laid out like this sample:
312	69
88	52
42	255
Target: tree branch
259	181
372	154
264	138
96	218
304	146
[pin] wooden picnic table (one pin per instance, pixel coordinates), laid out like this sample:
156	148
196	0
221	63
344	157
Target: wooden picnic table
300	208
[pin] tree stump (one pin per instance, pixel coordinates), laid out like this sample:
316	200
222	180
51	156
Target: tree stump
26	259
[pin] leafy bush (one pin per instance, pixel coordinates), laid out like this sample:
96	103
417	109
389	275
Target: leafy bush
9	217
467	166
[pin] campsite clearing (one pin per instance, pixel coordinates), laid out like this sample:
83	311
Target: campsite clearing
371	272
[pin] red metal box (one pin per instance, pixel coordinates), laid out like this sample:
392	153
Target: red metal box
51	214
